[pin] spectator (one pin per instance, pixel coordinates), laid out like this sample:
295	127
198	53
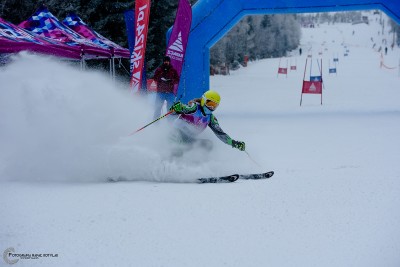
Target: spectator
166	77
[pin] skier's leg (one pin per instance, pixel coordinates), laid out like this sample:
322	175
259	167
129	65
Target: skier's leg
181	143
205	144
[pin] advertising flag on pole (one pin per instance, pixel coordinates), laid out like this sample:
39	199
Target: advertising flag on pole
130	30
179	37
142	14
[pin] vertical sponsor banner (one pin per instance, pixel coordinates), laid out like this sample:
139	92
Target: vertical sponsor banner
130	30
142	14
179	37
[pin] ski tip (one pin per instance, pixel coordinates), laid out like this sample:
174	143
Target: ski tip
233	177
269	174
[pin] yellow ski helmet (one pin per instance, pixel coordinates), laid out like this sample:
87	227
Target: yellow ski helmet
211	100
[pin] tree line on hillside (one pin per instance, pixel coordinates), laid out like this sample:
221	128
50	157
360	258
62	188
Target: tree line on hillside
256	37
331	18
396	33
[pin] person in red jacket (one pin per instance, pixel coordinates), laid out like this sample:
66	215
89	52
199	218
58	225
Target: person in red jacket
166	77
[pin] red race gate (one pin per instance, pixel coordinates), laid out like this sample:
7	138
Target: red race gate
311	87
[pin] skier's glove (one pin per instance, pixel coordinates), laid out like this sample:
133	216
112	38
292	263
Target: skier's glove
177	108
239	145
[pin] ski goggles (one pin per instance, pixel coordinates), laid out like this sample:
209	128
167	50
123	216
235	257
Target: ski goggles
211	105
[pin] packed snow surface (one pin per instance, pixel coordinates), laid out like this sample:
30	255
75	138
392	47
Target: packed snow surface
333	201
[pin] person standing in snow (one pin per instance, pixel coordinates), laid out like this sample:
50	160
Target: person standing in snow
166	77
194	118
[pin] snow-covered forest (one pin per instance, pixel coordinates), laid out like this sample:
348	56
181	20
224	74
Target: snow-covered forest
257	37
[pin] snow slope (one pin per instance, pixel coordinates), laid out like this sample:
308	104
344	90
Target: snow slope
333	200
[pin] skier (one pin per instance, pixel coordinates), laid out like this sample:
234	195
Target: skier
195	117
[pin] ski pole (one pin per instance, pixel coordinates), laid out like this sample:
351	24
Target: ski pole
255	162
163	116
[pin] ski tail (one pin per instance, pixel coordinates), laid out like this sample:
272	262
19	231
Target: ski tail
235	177
223	179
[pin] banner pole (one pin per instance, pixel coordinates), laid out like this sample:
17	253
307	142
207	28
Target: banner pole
321	75
287	66
323	85
279	66
302	86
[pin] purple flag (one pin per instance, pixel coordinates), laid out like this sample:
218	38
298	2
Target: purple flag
179	37
130	32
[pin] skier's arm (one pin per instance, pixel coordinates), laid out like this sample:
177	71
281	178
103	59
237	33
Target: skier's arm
214	125
196	100
180	108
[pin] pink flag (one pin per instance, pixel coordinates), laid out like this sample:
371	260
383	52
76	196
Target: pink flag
312	87
282	70
179	37
142	14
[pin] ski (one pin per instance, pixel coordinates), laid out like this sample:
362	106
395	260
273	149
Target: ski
235	177
116	179
222	179
256	176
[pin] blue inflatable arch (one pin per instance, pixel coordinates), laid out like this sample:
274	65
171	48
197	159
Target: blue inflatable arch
212	19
